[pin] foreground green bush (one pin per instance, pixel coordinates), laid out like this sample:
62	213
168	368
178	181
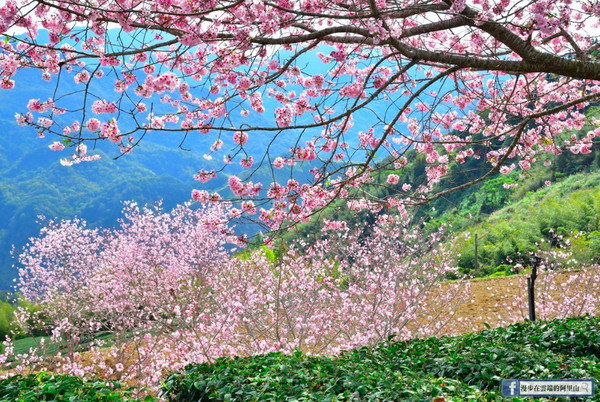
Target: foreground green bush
47	387
355	376
468	367
458	368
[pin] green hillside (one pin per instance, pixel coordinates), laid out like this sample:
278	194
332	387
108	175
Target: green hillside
569	209
562	199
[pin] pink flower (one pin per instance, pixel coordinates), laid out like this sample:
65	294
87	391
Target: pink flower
247	162
422	107
83	76
92	124
278	162
102	106
306	154
82	150
203	176
45	122
333	225
256	102
525	165
393	179
56	146
236	185
353	90
7	84
111	130
249	207
240	138
200	196
34	105
21	119
218	144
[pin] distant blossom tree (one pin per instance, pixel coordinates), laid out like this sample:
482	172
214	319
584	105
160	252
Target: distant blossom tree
357	83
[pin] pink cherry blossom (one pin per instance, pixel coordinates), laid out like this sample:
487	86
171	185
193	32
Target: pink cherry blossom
92	124
56	146
240	138
324	86
200	302
393	179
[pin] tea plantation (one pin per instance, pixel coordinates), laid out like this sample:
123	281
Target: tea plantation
468	367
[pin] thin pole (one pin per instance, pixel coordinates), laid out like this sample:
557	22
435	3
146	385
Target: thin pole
531	288
476	262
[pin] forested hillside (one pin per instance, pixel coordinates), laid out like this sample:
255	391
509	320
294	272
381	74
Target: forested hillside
33	183
511	214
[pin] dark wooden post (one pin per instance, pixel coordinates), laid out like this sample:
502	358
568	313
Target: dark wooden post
476	261
531	288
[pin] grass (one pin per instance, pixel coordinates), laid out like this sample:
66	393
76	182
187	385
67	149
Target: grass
24	345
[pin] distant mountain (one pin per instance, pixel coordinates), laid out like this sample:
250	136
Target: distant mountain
33	183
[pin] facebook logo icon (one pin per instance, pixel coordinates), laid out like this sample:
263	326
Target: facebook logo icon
510	387
549	387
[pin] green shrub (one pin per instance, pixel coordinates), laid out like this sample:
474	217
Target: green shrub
456	368
502	268
468	367
6	319
357	375
47	387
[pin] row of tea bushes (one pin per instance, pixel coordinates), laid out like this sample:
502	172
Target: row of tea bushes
468	367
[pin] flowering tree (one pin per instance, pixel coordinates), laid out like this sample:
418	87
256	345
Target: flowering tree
164	290
348	87
88	282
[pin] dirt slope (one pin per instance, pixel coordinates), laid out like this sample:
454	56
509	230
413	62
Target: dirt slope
503	301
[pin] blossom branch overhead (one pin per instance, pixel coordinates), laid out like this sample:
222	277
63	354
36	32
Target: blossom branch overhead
342	89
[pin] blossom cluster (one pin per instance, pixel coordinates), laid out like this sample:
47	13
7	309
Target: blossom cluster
348	85
164	285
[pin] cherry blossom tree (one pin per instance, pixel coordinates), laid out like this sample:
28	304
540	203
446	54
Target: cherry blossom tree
346	88
167	293
160	291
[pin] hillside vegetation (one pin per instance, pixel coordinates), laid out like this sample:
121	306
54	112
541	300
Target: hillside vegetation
467	367
513	215
567	212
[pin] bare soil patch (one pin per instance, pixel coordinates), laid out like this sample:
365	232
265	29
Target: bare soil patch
502	301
